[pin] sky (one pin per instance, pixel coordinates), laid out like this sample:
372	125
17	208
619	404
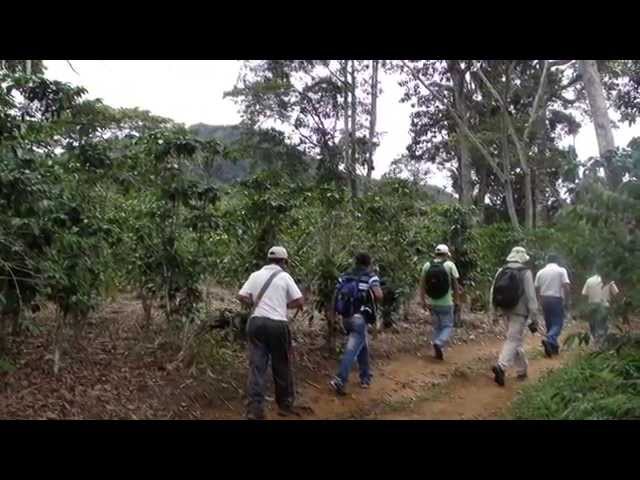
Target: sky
191	91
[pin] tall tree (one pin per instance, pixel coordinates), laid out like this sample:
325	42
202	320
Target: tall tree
600	116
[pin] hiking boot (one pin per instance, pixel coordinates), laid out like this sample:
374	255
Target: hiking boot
365	384
337	387
438	351
548	350
288	412
522	376
255	416
498	375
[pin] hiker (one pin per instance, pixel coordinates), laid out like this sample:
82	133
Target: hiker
599	293
513	294
355	300
439	284
553	287
270	291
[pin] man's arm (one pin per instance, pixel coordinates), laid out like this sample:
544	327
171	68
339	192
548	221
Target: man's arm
245	299
377	293
297	303
422	291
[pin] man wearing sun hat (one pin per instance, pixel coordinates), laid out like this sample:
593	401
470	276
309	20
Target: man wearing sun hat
270	292
513	294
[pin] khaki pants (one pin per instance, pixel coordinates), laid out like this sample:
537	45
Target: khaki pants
513	350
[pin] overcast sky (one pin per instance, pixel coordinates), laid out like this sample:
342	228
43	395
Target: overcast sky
190	91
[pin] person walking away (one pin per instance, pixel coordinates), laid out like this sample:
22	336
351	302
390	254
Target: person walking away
599	293
270	291
355	300
513	295
554	289
439	293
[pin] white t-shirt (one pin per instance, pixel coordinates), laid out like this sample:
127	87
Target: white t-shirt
282	290
551	279
597	292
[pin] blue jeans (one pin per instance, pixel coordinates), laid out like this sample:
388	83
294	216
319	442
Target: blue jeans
357	348
553	309
442	324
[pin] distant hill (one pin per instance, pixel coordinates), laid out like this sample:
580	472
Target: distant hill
260	149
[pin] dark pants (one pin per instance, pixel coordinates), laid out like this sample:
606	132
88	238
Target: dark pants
553	308
269	339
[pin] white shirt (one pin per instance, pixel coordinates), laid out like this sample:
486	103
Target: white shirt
597	292
282	290
551	279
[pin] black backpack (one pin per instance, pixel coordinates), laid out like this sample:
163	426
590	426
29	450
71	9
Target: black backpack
437	282
508	288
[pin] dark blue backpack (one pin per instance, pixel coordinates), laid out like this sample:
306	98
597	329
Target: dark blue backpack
348	300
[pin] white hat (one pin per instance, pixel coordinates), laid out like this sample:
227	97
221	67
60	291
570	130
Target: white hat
277	253
518	255
442	248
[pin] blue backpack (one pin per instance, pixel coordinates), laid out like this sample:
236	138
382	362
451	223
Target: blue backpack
348	301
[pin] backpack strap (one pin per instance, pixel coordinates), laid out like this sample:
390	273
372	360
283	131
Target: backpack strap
264	288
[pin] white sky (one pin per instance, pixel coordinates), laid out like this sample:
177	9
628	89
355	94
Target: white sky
190	91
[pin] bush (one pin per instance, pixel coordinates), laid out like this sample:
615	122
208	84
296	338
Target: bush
595	386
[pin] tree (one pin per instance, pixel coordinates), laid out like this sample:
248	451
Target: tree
600	117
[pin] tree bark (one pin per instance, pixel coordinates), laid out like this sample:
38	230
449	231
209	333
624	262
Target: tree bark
352	136
508	187
466	182
483	187
600	115
372	117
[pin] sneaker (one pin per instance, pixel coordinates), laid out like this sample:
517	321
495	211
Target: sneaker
522	376
438	351
288	412
337	386
365	384
548	351
498	375
255	416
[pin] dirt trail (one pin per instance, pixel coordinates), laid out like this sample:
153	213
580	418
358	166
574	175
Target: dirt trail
418	387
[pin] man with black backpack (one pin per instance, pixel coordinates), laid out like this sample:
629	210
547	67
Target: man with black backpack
270	292
513	294
355	301
439	282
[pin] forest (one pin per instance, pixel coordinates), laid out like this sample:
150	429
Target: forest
125	236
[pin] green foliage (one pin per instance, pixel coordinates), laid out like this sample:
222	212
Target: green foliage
596	387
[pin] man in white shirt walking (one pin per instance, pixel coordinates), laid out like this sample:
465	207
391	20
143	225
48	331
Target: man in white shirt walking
553	287
270	292
599	293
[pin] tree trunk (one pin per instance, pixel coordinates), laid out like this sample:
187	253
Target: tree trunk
27	65
508	188
600	116
352	136
483	187
466	182
372	117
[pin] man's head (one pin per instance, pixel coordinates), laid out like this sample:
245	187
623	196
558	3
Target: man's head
363	260
277	255
442	251
553	258
518	255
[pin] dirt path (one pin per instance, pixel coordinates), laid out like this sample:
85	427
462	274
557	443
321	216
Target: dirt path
418	387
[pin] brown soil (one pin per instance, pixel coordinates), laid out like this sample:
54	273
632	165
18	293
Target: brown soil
122	370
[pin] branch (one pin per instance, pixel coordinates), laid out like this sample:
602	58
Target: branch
535	112
559	63
512	131
462	125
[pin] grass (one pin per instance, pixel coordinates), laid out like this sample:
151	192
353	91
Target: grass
593	386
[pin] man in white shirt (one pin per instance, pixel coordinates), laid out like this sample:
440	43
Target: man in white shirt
599	293
553	287
270	292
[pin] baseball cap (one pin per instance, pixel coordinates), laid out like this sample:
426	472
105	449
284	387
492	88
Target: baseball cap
277	253
442	248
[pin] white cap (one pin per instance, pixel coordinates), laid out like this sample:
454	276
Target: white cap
442	248
277	253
